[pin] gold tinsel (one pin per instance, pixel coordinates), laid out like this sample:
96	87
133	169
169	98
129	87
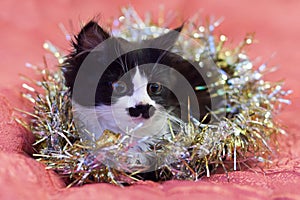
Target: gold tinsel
245	135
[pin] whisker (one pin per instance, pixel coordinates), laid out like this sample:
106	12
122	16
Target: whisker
126	66
158	60
119	59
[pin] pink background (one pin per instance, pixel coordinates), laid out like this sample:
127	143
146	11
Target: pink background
25	25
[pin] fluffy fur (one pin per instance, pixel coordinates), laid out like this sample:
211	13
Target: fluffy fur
134	95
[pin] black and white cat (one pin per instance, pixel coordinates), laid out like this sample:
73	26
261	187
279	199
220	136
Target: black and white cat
132	87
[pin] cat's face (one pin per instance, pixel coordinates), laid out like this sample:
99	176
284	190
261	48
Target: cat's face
135	92
137	104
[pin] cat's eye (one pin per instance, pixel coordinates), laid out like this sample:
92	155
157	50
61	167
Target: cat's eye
119	87
154	88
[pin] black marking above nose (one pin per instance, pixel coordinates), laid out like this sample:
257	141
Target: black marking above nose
145	111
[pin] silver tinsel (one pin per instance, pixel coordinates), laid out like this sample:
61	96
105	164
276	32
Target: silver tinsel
247	133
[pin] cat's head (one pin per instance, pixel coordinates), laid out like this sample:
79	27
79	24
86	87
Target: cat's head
133	85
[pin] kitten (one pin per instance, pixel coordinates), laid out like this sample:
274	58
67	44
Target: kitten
131	87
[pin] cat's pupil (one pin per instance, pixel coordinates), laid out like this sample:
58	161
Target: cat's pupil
119	87
154	88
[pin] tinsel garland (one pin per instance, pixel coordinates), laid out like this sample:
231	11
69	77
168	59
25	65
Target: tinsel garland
247	133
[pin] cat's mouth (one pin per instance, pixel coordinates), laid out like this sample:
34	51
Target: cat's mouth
139	119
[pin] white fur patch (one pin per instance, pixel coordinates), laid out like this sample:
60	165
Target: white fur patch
140	94
117	119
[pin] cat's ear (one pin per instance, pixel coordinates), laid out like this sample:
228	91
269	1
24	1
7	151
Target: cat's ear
90	36
167	40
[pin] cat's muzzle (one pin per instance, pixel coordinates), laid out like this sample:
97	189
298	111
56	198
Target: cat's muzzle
141	110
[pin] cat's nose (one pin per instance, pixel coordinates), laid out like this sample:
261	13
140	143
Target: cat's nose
143	110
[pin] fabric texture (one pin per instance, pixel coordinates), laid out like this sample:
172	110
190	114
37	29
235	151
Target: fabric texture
24	27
